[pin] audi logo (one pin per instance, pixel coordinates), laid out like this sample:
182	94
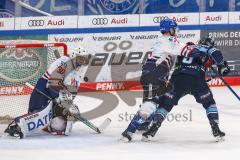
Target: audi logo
158	19
35	23
100	21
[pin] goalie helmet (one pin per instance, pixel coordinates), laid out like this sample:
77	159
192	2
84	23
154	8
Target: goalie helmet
80	55
78	52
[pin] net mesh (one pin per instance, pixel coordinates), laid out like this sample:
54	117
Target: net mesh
23	61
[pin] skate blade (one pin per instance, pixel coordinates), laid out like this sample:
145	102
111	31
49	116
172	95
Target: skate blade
145	139
124	140
7	136
220	139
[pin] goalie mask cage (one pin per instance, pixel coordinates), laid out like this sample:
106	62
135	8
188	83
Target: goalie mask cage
20	62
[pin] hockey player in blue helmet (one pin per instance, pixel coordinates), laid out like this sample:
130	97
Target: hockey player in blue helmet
154	74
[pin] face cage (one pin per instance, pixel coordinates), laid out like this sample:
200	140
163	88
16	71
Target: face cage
80	60
174	31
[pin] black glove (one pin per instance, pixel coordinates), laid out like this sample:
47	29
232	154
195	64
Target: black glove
223	69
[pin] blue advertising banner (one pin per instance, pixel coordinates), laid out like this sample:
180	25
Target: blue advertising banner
37	7
6	9
153	6
217	6
54	7
172	6
109	7
236	5
96	7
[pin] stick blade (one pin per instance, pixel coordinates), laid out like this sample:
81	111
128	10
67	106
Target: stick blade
104	124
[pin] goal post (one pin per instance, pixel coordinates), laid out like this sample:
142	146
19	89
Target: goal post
21	62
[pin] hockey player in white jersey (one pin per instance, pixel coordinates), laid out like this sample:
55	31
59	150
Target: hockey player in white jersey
51	104
155	73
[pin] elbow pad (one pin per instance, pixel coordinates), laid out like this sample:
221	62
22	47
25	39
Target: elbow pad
216	55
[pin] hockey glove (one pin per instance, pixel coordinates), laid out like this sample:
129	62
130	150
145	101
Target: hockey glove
223	69
63	96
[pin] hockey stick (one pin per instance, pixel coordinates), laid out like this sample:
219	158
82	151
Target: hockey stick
99	129
225	82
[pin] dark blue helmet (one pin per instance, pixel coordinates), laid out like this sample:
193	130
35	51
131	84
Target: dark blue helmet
168	25
207	41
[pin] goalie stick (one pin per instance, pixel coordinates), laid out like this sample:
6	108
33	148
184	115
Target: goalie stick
99	129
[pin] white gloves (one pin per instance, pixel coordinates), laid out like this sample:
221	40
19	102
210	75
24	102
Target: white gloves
63	96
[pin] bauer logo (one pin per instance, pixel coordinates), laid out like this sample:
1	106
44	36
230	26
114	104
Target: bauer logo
19	65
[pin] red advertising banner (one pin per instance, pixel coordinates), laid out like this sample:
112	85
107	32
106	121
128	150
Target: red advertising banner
135	85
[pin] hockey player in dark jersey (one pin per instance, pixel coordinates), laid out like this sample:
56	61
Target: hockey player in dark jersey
189	78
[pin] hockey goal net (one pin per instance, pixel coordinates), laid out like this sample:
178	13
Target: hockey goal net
21	62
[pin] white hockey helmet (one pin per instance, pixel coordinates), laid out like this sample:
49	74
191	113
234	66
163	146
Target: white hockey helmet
80	55
80	51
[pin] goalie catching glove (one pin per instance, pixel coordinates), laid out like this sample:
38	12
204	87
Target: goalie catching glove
62	123
65	111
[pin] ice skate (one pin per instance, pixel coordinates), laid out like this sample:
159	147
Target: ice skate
14	130
150	132
217	133
126	136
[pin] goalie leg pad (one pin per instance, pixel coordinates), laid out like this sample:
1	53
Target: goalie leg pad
35	122
68	129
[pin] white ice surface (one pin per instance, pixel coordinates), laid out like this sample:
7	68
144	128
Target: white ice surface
190	140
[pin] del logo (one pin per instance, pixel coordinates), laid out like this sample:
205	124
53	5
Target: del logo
6	13
117	5
114	6
20	64
40	122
